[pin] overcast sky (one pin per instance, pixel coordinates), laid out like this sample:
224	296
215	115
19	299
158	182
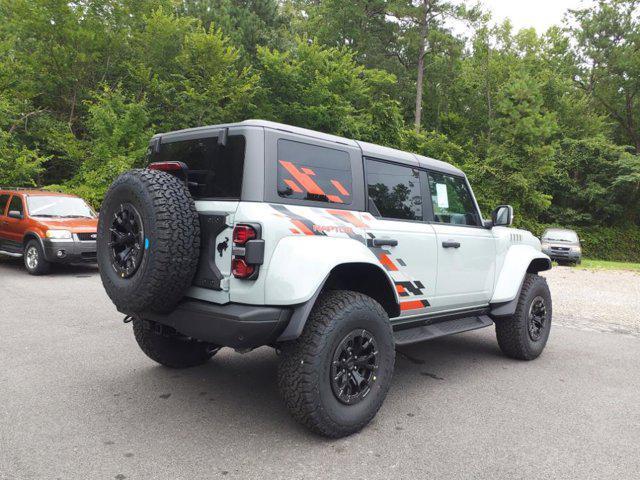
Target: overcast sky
540	14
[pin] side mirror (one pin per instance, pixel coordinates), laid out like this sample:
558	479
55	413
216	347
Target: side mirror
502	216
15	214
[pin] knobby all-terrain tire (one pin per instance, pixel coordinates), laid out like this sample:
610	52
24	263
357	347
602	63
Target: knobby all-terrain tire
513	332
171	244
304	373
42	266
168	348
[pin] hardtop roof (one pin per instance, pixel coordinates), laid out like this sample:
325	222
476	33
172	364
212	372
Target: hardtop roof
368	149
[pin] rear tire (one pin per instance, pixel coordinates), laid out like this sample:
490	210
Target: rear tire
34	260
167	347
148	241
327	390
524	335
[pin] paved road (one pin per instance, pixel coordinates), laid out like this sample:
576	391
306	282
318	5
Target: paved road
79	400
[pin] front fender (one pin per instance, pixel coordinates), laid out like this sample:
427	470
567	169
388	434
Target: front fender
299	265
516	264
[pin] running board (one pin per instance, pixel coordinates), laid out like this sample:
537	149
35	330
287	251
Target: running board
440	329
10	254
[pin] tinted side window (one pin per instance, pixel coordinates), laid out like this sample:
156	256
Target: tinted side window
310	172
394	191
452	201
16	204
214	171
4	198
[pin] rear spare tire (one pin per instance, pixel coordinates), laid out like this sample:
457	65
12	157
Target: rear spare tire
148	241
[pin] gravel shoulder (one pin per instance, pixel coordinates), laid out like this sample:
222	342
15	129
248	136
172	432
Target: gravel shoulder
599	300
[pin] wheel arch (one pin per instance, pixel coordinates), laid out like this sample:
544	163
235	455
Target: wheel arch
365	278
31	235
519	261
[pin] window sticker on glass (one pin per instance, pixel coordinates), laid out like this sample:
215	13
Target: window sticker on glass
443	198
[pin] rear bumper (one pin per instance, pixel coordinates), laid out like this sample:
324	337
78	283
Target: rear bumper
232	325
69	251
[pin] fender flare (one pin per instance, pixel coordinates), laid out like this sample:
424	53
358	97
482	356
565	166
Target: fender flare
31	234
301	286
520	260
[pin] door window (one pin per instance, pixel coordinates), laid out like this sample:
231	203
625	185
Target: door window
394	191
16	204
3	203
452	200
311	172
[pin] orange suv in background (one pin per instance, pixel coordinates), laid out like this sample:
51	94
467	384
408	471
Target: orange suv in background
46	227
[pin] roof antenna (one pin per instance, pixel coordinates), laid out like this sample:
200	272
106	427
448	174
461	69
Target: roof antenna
222	138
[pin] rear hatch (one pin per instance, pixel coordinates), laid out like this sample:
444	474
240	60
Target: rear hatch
212	167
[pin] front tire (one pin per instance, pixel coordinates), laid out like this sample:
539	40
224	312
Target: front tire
167	347
524	335
334	378
34	260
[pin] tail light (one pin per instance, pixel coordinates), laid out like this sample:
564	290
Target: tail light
248	251
241	269
243	233
167	166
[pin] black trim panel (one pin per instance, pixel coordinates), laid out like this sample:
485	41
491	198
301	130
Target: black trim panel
232	325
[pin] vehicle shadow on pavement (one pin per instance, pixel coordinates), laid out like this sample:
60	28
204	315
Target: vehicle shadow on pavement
16	264
239	392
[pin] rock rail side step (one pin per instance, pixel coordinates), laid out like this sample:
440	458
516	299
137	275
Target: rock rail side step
440	329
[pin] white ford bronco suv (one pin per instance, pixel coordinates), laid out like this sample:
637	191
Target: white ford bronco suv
330	250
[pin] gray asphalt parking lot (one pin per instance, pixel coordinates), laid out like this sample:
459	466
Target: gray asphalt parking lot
79	400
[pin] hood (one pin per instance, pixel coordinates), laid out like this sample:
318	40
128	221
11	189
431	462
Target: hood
75	225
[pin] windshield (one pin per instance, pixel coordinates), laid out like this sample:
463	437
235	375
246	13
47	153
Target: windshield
56	206
560	235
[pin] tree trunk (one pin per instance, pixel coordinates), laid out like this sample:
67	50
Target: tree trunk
424	30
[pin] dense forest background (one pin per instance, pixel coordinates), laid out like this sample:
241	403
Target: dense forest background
547	122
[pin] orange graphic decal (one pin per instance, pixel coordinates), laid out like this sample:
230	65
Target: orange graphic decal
340	187
292	185
400	289
303	228
308	171
413	305
294	231
349	217
303	179
335	198
386	261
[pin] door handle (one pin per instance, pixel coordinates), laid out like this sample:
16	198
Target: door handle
384	242
451	244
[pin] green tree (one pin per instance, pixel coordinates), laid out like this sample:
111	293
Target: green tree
608	68
324	89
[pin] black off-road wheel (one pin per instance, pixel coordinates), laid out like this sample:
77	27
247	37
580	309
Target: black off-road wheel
334	378
167	347
148	241
34	260
524	335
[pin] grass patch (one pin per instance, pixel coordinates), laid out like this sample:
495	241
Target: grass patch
590	264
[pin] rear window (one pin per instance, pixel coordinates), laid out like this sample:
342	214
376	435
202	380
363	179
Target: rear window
214	171
310	172
394	191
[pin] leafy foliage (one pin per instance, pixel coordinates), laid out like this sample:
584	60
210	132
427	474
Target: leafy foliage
547	122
